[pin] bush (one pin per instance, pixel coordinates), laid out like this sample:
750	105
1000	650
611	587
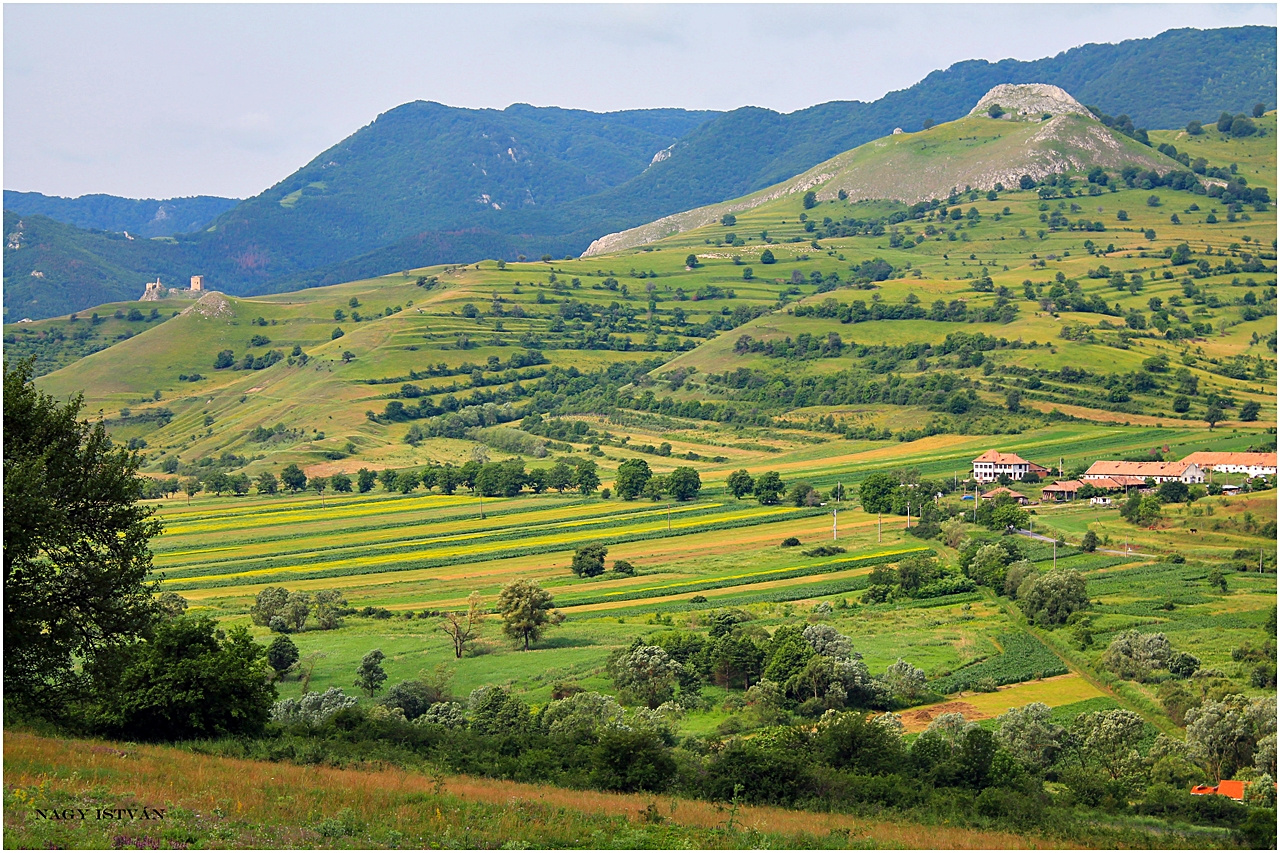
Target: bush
789	542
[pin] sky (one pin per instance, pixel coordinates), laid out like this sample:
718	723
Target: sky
166	100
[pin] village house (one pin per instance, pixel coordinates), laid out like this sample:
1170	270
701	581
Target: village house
1249	464
1002	490
1159	472
988	467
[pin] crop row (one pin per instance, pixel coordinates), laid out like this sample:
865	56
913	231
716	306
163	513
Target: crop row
415	542
747	578
1024	658
291	574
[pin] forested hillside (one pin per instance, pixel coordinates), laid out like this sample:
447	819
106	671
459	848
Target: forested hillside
141	217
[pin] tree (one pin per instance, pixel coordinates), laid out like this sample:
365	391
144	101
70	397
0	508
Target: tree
370	675
188	681
330	604
1250	411
588	561
462	628
766	257
267	483
76	544
585	477
1224	734
1013	400
632	476
691	261
1194	128
170	605
340	483
740	483
1050	598
1213	415
768	487
1090	542
1259	110
1133	654
995	111
296	610
1218	580
293	478
810	200
319	484
646	674
683	484
1107	740
1173	491
268	605
1030	735
192	487
876	492
282	654
527	609
904	679
365	480
560	476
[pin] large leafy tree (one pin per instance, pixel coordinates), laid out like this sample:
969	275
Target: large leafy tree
76	553
527	610
632	476
186	682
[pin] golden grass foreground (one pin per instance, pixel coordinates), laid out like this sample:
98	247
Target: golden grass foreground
241	803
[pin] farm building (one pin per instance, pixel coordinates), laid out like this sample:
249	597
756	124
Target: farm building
995	493
1186	472
1065	490
1061	490
1250	464
1233	788
988	467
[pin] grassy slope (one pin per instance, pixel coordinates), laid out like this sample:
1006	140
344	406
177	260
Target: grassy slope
228	803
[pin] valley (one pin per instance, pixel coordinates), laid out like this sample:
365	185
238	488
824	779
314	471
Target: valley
735	447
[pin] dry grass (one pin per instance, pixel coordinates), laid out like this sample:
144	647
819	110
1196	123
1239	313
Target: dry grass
286	795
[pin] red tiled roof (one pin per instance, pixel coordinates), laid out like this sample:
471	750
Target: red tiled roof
1002	490
1207	459
1233	788
1002	458
1140	470
1064	486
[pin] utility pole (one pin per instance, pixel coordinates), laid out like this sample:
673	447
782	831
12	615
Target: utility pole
908	515
1055	552
835	521
668	518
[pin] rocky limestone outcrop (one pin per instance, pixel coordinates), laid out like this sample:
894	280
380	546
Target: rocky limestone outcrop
213	305
1030	100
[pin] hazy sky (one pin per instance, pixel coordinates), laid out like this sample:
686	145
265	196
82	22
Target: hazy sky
172	100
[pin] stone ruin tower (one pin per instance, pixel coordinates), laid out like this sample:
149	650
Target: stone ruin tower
197	283
154	291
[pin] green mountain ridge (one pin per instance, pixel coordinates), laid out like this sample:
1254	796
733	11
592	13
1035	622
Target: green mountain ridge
419	185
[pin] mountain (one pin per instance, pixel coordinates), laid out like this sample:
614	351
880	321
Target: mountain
140	217
52	268
1087	295
1043	131
427	184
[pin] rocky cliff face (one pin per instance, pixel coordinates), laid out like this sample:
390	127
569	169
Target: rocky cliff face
1029	100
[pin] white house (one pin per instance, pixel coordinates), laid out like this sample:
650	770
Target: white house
988	467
